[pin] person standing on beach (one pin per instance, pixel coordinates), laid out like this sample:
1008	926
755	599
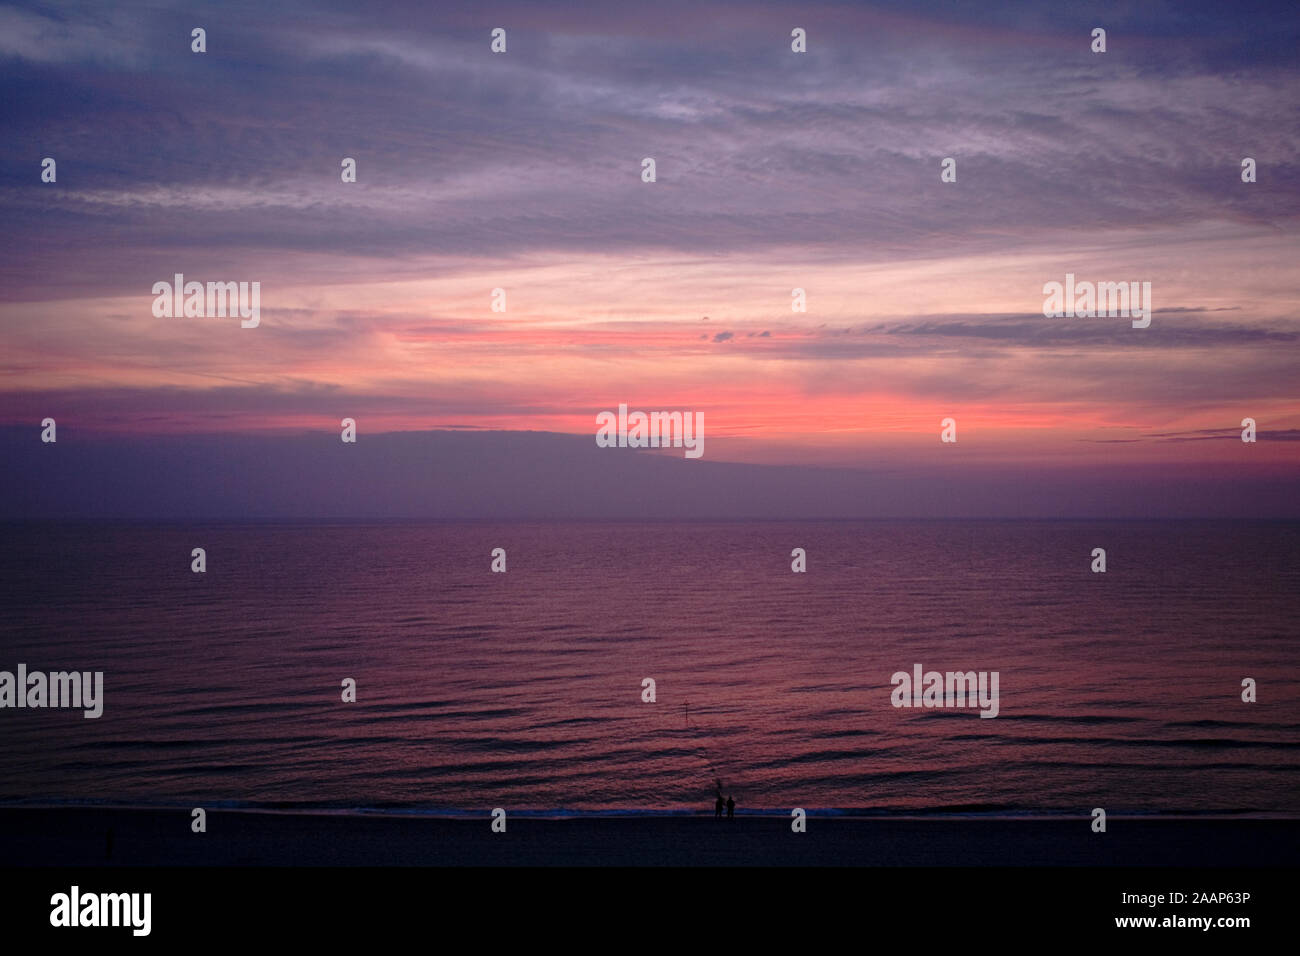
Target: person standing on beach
731	808
717	807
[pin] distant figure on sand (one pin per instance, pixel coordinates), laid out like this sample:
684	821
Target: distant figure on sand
717	807
731	808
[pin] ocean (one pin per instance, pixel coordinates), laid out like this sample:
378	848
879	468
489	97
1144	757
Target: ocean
524	689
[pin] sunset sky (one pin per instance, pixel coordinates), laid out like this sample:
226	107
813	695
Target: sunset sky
775	170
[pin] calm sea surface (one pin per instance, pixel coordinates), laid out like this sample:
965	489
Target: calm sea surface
523	690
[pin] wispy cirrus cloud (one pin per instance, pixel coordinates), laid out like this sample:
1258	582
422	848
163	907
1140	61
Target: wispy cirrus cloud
775	171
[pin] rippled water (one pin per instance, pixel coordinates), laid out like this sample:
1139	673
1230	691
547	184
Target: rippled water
523	689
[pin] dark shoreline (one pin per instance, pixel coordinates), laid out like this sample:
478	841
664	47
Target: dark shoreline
80	836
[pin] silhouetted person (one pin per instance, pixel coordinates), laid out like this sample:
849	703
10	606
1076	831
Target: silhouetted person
717	808
731	809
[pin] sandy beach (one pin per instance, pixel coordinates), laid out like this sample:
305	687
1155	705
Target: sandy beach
153	837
